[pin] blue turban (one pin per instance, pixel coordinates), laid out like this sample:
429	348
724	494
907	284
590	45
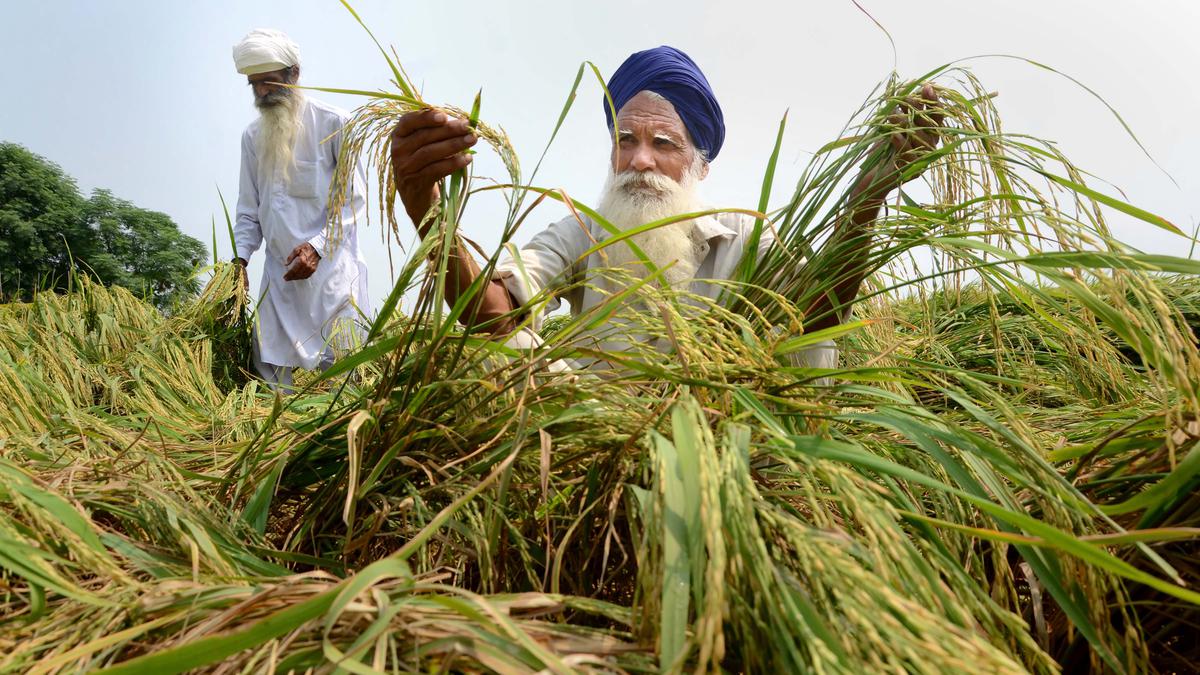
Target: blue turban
672	74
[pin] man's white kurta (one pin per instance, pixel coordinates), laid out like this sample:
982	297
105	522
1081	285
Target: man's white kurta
298	320
554	258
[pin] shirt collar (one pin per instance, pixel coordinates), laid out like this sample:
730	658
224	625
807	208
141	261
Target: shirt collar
711	228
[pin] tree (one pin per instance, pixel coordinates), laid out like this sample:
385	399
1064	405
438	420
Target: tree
49	231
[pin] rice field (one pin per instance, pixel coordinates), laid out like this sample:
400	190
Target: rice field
999	477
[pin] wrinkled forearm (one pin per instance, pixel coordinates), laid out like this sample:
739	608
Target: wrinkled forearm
489	304
850	245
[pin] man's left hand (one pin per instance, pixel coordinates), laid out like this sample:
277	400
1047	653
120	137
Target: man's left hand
305	259
915	134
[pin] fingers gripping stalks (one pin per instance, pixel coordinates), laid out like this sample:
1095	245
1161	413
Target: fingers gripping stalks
913	132
412	148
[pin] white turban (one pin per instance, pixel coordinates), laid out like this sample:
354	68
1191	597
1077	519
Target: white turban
264	50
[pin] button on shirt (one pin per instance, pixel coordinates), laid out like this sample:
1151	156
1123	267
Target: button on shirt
554	259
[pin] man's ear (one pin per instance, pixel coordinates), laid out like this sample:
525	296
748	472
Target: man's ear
295	74
704	170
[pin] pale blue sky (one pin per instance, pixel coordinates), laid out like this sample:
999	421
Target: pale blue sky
142	97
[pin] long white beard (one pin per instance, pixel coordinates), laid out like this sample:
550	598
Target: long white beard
633	198
277	135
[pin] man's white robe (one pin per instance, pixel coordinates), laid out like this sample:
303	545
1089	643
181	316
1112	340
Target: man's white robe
299	320
555	258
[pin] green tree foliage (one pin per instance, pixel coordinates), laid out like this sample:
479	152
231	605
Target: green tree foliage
48	230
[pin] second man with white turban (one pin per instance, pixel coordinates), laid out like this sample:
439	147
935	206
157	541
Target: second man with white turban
313	290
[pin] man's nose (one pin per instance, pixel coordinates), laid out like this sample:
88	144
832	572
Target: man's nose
642	158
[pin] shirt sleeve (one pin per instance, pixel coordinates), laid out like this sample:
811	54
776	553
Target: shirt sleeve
550	260
247	232
318	242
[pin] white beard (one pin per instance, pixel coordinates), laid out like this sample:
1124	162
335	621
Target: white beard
631	199
277	136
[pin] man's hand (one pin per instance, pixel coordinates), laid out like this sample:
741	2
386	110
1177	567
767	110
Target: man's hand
306	259
915	134
427	146
245	277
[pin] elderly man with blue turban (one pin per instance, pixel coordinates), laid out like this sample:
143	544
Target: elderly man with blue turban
668	128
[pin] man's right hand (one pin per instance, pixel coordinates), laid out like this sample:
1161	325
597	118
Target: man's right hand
427	146
245	277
